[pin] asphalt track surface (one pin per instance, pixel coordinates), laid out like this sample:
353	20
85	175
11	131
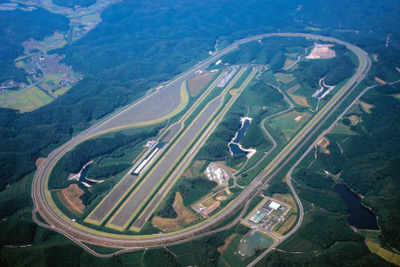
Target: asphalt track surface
80	234
101	212
142	219
123	216
105	207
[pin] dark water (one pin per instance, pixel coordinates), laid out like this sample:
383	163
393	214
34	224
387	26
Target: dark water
234	144
83	175
236	149
242	131
359	216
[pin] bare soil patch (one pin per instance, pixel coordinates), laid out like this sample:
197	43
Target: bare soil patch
185	217
288	62
366	107
354	119
228	240
299	100
221	198
70	197
233	92
298	118
323	143
287	224
320	51
39	161
197	84
379	80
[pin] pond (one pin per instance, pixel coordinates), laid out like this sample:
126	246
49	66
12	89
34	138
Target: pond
84	172
359	216
234	145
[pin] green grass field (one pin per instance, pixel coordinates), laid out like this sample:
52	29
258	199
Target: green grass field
290	122
28	101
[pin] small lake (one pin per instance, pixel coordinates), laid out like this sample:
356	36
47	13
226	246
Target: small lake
236	150
242	131
359	216
83	175
234	144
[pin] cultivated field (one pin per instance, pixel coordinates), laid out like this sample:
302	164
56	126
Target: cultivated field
28	101
383	253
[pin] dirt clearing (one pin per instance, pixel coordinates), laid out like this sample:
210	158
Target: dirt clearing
299	100
289	222
39	161
323	143
228	240
366	107
70	197
185	217
197	84
298	118
321	51
379	80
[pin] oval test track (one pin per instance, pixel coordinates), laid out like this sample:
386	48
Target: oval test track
62	224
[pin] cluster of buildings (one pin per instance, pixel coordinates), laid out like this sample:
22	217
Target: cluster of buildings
267	215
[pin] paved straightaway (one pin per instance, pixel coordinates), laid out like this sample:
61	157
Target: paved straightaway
43	203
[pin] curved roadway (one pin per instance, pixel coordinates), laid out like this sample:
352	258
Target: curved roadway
63	224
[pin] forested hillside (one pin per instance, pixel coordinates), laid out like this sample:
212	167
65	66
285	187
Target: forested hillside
73	3
18	26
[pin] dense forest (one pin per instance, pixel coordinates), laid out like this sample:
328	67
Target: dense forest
372	164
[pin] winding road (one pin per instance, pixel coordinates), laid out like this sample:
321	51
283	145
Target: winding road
44	205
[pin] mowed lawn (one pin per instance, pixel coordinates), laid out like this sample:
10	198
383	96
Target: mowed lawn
289	123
